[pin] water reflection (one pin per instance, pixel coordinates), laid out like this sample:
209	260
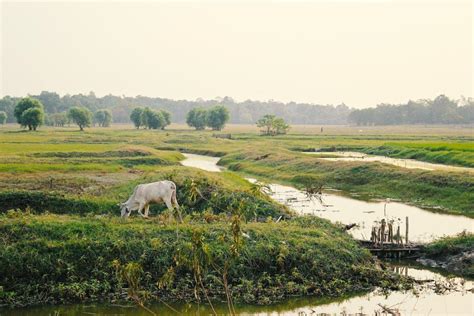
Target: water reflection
399	162
437	295
424	225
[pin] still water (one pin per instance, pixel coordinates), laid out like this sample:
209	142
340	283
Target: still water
424	226
404	163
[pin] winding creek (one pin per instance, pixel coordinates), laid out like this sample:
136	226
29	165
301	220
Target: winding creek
424	227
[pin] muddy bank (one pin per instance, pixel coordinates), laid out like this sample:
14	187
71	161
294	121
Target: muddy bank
460	264
454	254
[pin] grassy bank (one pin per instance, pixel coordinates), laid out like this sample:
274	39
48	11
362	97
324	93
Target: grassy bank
62	258
455	254
453	192
198	192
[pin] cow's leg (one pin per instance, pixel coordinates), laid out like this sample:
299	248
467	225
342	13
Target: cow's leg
147	209
140	208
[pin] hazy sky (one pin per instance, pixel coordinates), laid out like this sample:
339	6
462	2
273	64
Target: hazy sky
327	52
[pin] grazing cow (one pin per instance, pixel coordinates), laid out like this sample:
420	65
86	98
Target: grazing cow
144	194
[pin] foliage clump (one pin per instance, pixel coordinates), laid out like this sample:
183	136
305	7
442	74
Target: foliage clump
80	116
215	118
29	113
272	125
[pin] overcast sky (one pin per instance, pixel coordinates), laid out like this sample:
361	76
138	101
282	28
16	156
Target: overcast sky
327	52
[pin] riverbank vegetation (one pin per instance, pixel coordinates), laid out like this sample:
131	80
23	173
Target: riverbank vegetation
51	259
454	253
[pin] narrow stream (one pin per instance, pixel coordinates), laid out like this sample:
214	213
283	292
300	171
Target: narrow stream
399	162
424	225
445	296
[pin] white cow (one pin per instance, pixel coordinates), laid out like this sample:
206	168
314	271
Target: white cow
144	194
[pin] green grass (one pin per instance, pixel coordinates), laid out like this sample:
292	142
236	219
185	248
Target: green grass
63	259
449	246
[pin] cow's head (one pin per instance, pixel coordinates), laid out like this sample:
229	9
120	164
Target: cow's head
124	209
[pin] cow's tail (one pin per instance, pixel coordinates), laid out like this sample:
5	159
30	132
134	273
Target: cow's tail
173	197
174	201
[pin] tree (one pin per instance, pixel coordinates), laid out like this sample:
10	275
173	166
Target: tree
153	119
197	118
273	125
167	117
136	117
266	122
81	116
3	117
103	118
34	118
280	126
217	117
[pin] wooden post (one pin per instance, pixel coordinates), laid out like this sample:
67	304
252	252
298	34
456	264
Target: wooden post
406	231
390	232
398	235
383	231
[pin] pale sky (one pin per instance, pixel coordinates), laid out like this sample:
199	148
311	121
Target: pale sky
326	52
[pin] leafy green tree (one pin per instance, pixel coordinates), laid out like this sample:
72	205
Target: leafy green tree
153	119
280	126
273	125
33	119
103	118
167	117
217	117
197	118
81	116
3	117
266	122
136	117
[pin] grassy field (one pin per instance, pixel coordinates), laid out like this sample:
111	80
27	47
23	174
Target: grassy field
67	244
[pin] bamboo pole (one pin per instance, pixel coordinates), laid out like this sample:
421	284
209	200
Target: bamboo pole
406	231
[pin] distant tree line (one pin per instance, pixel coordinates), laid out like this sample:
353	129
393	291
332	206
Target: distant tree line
246	112
441	110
